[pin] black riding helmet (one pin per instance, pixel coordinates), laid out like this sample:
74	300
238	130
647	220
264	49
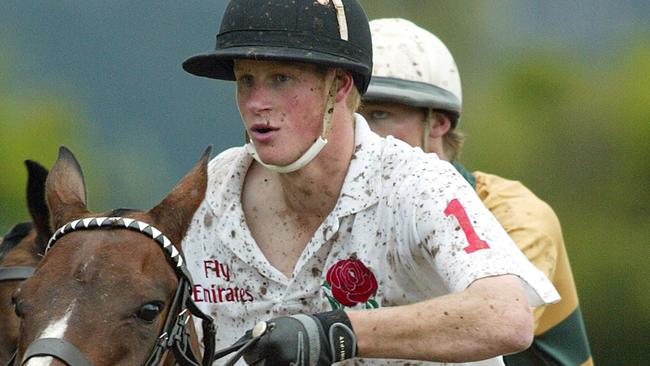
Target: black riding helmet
289	30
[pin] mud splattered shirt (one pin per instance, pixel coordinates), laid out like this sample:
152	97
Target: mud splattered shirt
408	217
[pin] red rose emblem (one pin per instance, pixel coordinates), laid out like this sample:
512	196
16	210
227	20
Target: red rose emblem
351	281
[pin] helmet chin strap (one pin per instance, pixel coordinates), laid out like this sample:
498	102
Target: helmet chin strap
428	124
308	156
315	148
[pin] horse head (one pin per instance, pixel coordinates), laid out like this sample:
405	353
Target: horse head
111	285
20	251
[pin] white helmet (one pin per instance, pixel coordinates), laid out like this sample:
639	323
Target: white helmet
413	67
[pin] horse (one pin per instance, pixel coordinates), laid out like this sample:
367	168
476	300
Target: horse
112	288
20	251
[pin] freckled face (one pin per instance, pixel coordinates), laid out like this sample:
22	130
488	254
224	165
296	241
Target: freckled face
401	121
282	107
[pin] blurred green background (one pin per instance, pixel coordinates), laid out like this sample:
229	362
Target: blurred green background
556	95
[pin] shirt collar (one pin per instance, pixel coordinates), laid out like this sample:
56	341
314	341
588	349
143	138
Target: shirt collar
360	190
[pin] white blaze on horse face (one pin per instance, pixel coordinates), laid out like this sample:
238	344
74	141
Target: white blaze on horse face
56	329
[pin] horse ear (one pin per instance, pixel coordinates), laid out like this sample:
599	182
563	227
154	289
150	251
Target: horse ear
65	189
36	176
174	213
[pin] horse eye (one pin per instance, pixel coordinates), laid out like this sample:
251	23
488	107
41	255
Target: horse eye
148	312
17	307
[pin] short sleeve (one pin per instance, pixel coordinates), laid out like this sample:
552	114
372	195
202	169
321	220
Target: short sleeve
448	223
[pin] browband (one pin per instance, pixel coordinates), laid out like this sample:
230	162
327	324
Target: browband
121	222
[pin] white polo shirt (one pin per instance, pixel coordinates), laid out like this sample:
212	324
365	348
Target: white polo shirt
407	216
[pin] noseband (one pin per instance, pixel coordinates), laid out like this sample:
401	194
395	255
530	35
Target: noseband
175	334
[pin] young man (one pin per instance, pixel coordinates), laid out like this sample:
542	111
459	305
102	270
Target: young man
415	95
333	242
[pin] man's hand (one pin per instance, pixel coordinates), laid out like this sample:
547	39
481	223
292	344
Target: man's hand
318	339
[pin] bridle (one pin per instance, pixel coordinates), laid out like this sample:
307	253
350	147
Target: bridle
175	335
16	273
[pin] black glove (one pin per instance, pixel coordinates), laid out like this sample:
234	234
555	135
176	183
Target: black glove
318	339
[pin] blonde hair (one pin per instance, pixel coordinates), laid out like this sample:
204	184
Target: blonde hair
452	143
354	99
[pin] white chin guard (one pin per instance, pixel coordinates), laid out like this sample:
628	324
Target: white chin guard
308	156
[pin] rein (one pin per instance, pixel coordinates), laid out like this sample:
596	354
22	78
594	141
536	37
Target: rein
175	335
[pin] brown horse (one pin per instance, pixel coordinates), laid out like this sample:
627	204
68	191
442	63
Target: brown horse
20	251
112	288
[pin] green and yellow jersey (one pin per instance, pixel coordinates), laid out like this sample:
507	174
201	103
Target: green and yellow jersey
560	336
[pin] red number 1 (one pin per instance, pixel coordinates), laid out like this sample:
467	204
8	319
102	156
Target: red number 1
475	243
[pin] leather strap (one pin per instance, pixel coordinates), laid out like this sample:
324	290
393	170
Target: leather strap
16	273
56	347
175	334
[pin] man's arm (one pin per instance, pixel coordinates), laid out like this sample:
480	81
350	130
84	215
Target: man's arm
530	222
491	317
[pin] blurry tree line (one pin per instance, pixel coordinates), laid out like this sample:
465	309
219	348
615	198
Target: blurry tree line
32	126
579	137
573	127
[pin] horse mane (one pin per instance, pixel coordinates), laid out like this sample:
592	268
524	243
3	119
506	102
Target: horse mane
13	237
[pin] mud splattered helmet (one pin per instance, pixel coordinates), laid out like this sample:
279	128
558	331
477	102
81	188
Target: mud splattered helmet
413	67
330	33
